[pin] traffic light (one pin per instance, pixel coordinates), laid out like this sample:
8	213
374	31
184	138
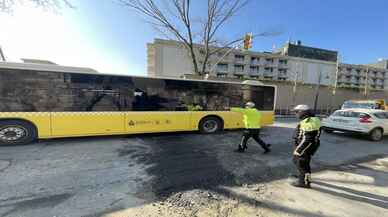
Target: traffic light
247	41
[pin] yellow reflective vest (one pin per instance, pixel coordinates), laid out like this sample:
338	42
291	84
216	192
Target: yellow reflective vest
251	117
310	124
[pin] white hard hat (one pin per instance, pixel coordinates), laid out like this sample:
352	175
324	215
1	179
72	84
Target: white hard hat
250	104
301	108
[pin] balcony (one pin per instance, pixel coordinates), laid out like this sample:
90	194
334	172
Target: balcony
238	73
380	75
221	75
238	76
239	69
239	58
372	74
221	72
282	74
254	70
268	76
269	62
255	61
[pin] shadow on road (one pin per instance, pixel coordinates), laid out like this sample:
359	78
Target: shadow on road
191	161
352	194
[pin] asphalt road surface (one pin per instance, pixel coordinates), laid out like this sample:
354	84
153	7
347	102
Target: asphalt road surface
101	175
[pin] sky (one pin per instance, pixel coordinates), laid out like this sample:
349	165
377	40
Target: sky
111	38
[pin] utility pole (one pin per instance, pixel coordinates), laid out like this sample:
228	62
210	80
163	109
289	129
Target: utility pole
2	55
335	82
317	89
295	84
366	83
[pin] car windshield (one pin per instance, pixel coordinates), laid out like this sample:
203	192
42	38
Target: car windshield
349	114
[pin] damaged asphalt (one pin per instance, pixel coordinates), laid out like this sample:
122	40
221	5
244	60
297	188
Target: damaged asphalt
102	175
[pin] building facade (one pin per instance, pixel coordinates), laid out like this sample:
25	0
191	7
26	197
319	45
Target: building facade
362	76
293	63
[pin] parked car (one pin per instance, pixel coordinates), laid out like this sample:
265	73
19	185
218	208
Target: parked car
371	122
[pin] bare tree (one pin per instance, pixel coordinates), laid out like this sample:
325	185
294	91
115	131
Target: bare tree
8	5
174	18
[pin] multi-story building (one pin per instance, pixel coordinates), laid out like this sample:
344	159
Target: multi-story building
361	76
293	62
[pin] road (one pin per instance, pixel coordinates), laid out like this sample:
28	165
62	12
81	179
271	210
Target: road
171	174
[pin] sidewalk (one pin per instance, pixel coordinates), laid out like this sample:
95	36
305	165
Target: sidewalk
356	190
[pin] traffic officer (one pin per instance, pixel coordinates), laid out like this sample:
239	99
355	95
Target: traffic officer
306	140
252	124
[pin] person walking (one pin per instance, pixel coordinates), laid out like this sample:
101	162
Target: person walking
252	124
306	142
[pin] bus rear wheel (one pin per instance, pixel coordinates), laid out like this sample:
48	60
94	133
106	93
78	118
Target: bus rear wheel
210	125
16	132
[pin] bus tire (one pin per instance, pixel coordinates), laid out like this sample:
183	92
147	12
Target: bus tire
17	132
210	125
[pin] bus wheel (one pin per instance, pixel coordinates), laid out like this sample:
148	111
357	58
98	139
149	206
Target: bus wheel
210	125
16	132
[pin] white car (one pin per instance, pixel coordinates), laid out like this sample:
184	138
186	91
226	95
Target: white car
373	123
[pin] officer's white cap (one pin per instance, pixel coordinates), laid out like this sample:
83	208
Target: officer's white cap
301	108
250	104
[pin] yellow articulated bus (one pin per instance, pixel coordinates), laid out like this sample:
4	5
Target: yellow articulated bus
41	102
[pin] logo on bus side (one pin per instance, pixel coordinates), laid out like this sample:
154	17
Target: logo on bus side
133	123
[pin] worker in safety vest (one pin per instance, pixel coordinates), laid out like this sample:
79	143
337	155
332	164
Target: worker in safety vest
252	124
306	141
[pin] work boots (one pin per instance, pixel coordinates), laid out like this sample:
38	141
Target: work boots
303	182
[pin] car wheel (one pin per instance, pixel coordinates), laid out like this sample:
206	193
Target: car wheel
376	134
16	132
210	125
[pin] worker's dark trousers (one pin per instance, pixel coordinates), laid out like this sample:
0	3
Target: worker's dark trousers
254	133
302	163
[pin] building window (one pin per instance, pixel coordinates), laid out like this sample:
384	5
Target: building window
239	68
221	54
268	69
269	60
254	69
283	62
255	60
239	58
282	73
222	67
239	76
221	75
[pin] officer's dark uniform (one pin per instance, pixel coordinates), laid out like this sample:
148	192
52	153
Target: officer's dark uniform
306	139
